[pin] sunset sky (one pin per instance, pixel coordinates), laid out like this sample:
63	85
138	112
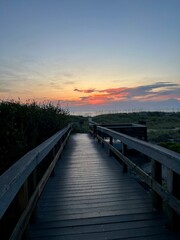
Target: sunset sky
91	55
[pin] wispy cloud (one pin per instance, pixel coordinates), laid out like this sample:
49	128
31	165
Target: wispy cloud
69	82
5	90
55	85
157	91
114	90
157	96
152	92
29	74
90	90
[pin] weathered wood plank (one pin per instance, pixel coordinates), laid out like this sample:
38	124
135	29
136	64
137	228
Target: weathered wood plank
115	226
99	220
167	197
90	197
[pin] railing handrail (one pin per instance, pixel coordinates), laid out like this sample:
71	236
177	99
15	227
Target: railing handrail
164	189
13	179
166	157
91	122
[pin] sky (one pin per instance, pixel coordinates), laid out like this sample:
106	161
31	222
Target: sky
91	55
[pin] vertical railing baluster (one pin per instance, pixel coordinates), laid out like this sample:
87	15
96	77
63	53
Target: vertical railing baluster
94	131
33	183
102	141
173	186
98	133
124	152
22	201
53	156
111	143
156	171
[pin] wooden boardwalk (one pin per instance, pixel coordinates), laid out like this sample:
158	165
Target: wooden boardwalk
91	198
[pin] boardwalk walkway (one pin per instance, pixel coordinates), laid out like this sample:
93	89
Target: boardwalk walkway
90	198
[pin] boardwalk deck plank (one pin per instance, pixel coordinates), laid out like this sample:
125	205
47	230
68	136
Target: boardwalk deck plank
90	197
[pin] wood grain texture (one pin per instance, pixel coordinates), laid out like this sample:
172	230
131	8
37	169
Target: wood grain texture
91	198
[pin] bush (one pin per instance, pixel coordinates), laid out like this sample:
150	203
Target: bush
174	146
24	126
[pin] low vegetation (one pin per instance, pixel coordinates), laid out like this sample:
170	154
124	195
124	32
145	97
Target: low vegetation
80	124
153	120
163	128
174	146
24	126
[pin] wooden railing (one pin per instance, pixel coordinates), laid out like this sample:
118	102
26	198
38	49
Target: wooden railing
22	184
165	191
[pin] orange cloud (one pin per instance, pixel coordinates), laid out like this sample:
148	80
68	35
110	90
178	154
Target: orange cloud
156	91
97	99
147	93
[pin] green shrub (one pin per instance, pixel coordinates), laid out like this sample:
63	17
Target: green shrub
24	126
174	146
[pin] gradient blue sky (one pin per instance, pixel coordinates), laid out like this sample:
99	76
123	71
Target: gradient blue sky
91	54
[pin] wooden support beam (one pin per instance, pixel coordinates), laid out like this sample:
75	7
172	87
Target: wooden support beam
33	183
53	156
124	152
111	143
173	186
94	131
156	171
22	201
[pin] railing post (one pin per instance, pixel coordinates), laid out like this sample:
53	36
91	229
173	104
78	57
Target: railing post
53	156
22	201
156	170
173	186
99	133
111	143
33	183
124	152
94	131
13	213
103	142
58	146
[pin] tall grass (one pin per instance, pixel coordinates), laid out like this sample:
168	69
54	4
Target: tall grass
25	125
